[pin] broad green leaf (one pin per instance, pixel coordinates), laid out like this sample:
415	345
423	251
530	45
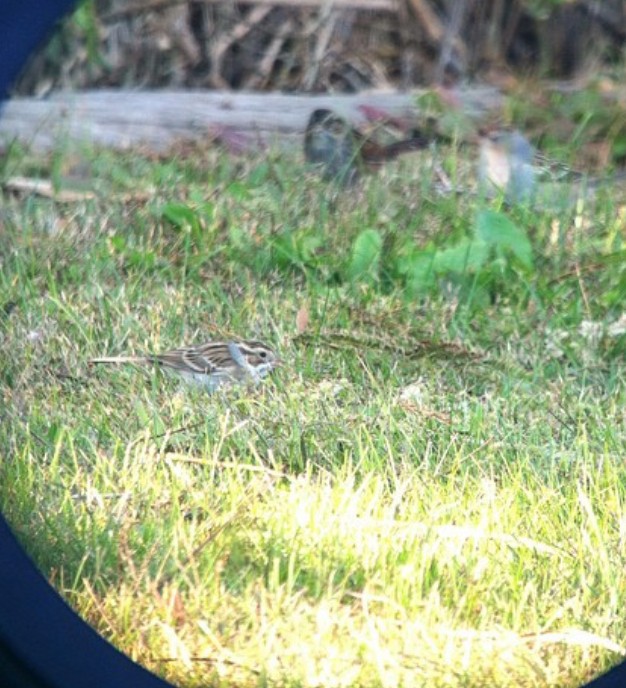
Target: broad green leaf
259	174
181	216
497	230
297	249
419	271
469	255
238	191
365	255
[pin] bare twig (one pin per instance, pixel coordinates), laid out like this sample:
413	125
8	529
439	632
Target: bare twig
451	40
45	188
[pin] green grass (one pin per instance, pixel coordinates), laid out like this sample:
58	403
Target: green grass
431	489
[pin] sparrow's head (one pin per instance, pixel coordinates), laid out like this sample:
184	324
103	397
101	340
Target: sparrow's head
328	120
319	116
510	143
331	143
506	162
259	356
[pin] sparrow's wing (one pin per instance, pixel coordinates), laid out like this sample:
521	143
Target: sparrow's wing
237	355
194	359
555	170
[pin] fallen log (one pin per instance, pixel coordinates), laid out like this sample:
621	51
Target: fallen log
156	119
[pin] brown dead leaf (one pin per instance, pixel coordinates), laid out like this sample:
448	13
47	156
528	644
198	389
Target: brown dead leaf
302	319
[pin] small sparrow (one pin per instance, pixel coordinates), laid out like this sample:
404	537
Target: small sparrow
506	164
342	151
213	364
509	163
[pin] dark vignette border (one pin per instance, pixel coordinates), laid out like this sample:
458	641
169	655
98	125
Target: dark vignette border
43	642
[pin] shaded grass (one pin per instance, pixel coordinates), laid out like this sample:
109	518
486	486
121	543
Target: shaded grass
428	489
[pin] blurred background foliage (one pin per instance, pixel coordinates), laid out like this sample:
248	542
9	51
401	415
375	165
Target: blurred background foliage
313	46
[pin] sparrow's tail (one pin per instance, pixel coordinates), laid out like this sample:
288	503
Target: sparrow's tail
608	181
121	359
417	142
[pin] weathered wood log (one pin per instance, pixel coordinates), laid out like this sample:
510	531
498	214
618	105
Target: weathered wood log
124	119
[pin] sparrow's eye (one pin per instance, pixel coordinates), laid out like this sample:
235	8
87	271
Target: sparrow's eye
262	354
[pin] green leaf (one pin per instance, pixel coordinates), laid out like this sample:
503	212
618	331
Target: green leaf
181	216
118	242
259	174
498	231
469	255
619	145
142	259
238	191
420	275
365	255
291	249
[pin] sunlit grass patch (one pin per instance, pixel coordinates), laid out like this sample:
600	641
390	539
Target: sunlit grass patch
429	490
